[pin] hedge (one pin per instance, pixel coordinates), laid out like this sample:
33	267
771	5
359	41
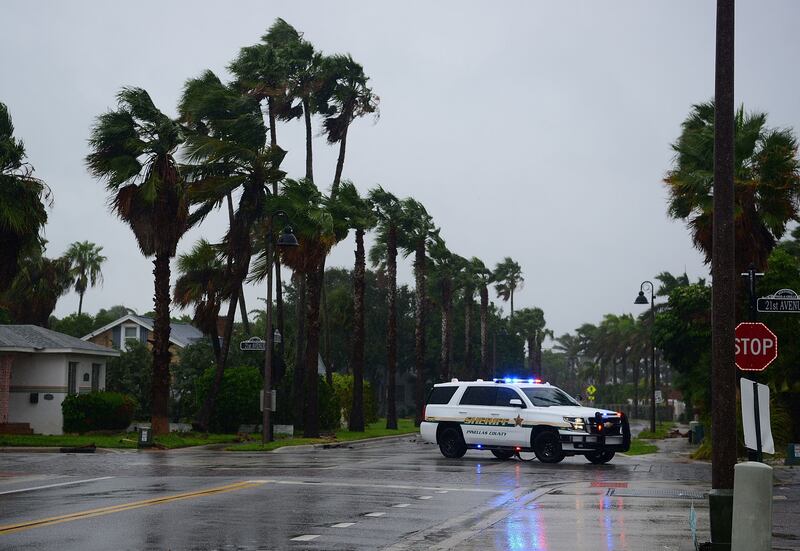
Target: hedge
97	411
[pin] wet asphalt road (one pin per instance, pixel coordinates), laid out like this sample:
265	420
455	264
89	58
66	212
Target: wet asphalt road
366	497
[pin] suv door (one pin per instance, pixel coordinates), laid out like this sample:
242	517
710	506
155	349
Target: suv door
517	434
475	409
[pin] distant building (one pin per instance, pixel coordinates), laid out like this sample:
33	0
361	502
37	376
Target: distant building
38	368
138	328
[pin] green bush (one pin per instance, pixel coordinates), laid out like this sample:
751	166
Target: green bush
343	386
97	411
329	405
132	373
237	401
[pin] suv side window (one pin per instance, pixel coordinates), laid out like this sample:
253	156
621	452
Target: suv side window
441	394
504	394
479	396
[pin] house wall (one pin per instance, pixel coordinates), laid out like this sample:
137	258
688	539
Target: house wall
43	375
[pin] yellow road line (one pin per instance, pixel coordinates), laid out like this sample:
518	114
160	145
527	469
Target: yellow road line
11	528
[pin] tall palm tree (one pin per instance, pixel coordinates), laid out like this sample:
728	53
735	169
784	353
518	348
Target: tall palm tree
389	213
132	151
360	216
416	232
87	264
226	150
23	201
446	268
475	277
530	324
201	283
508	278
570	345
766	183
482	278
36	288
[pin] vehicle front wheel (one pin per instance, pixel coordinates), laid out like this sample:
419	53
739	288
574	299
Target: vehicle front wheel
503	454
600	457
547	447
451	443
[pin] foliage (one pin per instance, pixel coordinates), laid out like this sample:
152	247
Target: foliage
38	285
343	388
238	399
76	325
118	440
85	261
97	411
131	373
194	360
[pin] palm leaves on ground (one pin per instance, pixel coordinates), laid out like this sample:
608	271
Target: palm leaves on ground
389	213
22	203
87	264
132	151
766	182
415	235
508	278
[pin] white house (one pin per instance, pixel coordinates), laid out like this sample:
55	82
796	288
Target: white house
38	368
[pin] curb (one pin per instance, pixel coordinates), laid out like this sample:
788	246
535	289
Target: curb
347	444
52	449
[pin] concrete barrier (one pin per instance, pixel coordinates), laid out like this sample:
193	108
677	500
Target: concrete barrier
752	507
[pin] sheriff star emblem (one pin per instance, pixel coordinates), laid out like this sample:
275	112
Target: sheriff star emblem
518	420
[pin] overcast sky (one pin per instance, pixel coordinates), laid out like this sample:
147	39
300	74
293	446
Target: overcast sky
536	130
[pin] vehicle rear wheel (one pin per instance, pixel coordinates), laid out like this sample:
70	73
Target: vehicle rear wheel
451	443
600	457
547	447
503	454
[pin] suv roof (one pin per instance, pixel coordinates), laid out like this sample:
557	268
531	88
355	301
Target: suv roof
515	382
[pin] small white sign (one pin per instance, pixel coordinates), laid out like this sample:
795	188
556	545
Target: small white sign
659	397
749	416
273	406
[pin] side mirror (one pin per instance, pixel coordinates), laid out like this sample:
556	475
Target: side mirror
516	402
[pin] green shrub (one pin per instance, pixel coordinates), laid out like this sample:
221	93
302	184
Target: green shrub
329	405
343	386
132	373
237	400
97	411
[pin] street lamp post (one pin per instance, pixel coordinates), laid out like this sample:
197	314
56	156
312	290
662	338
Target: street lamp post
642	299
286	239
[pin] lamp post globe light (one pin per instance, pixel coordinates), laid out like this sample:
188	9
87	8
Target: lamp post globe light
286	239
642	299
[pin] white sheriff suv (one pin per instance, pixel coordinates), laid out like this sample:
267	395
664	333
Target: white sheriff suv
509	416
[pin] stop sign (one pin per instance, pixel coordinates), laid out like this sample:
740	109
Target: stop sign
756	346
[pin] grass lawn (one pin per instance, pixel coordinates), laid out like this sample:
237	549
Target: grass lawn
640	447
119	440
662	430
378	428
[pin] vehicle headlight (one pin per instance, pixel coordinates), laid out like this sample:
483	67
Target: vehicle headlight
577	423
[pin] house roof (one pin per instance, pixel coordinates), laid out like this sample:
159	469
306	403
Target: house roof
32	338
181	334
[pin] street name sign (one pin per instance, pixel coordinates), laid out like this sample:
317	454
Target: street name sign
253	343
756	346
783	301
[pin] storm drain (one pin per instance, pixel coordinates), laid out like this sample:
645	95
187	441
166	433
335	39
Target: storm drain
654	492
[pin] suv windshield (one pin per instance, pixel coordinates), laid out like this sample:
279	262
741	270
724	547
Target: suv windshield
544	397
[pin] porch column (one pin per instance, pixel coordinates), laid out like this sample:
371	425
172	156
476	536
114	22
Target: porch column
5	384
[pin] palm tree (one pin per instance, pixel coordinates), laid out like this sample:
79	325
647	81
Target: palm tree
132	150
389	214
36	288
86	262
572	348
359	214
508	278
447	266
226	150
483	277
475	277
201	283
529	323
766	183
416	233
23	199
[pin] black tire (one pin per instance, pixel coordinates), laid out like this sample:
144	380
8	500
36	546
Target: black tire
451	443
600	457
547	447
503	454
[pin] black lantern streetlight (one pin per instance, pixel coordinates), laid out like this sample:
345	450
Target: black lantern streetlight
642	299
286	239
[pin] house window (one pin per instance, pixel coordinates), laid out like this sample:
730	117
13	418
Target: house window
131	333
95	377
72	378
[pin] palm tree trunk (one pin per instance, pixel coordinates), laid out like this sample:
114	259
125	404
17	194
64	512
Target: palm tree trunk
279	318
636	387
357	409
326	335
484	331
446	286
161	353
298	381
314	291
419	330
391	336
309	150
531	355
243	313
467	333
512	302
80	304
340	163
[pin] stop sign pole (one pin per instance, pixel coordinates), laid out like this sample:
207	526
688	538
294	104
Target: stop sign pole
756	348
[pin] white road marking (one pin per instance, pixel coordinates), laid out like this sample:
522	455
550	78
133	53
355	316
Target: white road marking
55	485
424	497
389	486
343	525
374	514
399	505
307	537
779	498
441	491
